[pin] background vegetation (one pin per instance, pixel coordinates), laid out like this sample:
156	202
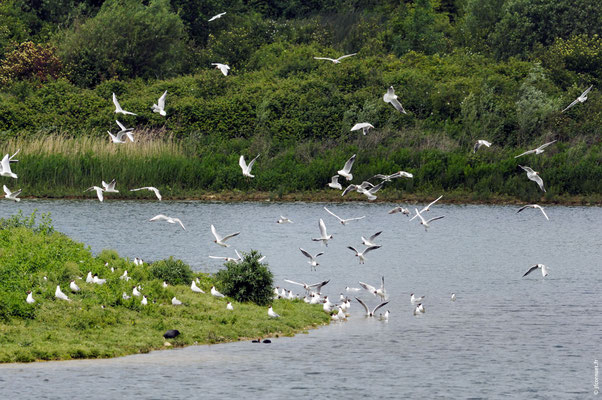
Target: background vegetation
465	69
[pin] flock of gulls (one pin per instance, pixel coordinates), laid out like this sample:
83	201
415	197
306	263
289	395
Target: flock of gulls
338	310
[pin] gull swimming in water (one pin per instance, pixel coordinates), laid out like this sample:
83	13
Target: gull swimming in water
398	174
11	195
544	270
346	171
99	191
219	239
352	289
324	236
151	188
335	60
428	207
160	106
362	255
271	313
30	299
109	187
534	176
334	183
60	295
391	97
368	312
538	150
312	259
380	292
215	292
424	222
419	309
222	67
534	206
216	17
581	99
480	143
284	220
195	288
341	220
364	126
170	220
370	241
246	169
6	171
118	108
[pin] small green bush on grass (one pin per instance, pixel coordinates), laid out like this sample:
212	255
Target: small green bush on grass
249	280
175	272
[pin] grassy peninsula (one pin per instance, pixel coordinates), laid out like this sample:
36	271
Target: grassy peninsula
98	322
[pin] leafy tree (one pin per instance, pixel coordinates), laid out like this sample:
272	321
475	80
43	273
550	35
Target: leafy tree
421	30
30	61
247	280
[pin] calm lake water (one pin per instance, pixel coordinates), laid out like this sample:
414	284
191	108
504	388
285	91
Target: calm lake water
505	336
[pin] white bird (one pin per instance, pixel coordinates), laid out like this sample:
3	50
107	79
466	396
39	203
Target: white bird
271	313
480	143
118	139
164	284
335	60
352	289
118	108
346	171
151	188
362	255
160	106
73	286
315	299
534	206
312	259
216	17
215	292
246	169
398	174
138	261
227	259
98	281
125	296
109	187
419	309
144	301
284	220
6	171
342	220
136	292
222	67
11	195
195	288
370	241
11	160
98	190
544	270
581	99
59	294
318	286
534	176
428	207
391	97
30	299
334	183
124	131
175	301
416	300
324	236
453	297
400	209
89	278
380	292
385	317
368	312
170	220
229	306
125	276
221	240
364	126
341	315
538	150
424	222
366	188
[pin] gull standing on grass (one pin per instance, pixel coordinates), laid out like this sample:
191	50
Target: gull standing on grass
346	171
29	299
424	222
368	312
124	131
216	17
11	195
195	288
151	188
334	183
544	270
222	67
428	207
581	99
219	239
391	97
175	301
538	150
534	176
324	236
335	60
381	292
364	126
362	255
58	293
480	143
215	292
341	220
246	169
73	286
170	220
99	191
118	108
534	206
6	171
271	313
312	259
160	106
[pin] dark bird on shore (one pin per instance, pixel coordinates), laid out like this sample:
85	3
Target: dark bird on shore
267	341
172	333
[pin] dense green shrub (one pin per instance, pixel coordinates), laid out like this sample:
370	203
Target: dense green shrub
248	280
174	272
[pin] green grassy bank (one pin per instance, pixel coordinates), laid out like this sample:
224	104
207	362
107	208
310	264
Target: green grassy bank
98	322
